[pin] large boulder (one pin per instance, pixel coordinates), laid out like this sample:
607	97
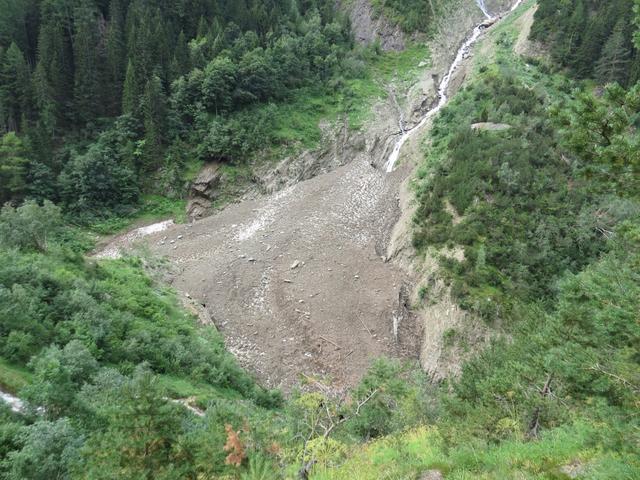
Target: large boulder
203	191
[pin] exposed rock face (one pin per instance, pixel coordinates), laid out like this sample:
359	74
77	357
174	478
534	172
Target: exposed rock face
202	192
367	29
490	126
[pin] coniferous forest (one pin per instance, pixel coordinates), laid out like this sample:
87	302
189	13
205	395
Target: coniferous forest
523	240
95	96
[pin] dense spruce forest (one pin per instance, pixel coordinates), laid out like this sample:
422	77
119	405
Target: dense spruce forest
590	38
527	196
99	97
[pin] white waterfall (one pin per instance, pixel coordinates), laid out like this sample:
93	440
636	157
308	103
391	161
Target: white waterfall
442	98
483	6
444	85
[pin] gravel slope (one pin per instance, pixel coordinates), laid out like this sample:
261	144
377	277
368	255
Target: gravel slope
297	281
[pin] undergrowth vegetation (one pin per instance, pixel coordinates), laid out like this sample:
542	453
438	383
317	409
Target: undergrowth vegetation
509	197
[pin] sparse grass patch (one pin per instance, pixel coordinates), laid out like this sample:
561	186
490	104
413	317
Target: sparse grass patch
13	377
152	208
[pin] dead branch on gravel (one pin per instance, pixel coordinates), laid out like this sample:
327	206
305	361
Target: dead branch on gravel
341	420
534	424
329	341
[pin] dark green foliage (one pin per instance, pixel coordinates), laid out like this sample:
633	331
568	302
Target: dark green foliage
15	92
601	133
87	65
75	66
105	176
517	197
590	38
236	138
13	167
394	396
584	351
141	439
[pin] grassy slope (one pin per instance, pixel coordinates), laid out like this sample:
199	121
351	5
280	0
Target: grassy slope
13	377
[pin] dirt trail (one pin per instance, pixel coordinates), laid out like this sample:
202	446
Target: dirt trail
297	281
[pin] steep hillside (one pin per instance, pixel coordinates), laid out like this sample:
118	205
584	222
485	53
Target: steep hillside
469	200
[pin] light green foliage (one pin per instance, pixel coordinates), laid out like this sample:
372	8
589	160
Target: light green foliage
113	308
13	378
47	449
58	375
30	226
600	132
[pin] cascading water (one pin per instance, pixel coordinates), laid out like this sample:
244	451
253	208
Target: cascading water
442	98
14	402
483	6
444	86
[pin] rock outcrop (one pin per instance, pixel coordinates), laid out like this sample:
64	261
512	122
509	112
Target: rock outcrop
490	126
202	191
367	28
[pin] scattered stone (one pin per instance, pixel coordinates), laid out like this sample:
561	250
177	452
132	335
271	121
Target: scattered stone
172	242
489	126
356	277
242	256
287	281
180	237
295	265
574	470
432	475
252	260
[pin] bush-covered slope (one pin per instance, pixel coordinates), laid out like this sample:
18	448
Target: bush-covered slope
548	217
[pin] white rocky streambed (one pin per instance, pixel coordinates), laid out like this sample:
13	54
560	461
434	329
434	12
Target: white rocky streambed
14	402
463	52
18	405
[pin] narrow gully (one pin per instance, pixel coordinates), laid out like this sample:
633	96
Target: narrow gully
444	85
